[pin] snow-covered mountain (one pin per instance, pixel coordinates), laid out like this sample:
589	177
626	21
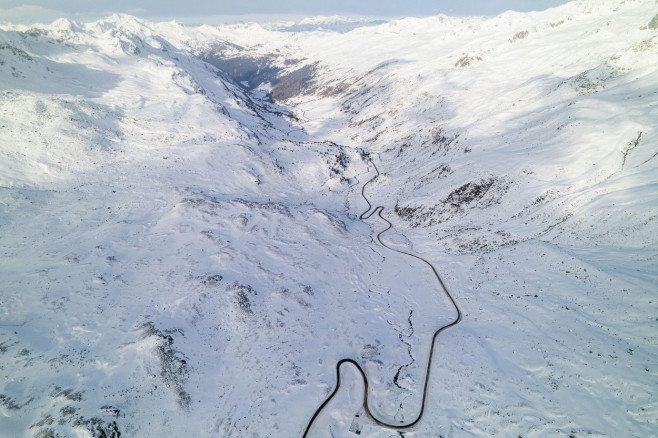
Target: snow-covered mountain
182	254
334	23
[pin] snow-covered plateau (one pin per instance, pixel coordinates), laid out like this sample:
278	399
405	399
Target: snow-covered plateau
183	249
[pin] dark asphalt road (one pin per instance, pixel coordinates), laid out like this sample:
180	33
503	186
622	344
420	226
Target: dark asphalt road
402	426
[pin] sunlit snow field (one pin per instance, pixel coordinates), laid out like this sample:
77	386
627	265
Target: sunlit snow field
181	256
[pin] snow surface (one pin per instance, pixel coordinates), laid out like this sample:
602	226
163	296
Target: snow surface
180	257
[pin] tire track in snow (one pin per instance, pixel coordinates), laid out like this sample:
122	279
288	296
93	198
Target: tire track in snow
366	407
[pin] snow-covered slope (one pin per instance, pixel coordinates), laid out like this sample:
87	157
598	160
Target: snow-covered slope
181	256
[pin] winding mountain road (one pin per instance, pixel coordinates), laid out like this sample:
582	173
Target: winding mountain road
402	426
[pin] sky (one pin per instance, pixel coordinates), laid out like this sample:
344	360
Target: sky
217	11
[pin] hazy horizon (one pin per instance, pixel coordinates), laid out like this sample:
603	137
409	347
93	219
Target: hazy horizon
18	12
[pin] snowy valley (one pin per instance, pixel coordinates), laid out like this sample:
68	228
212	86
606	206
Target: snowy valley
184	250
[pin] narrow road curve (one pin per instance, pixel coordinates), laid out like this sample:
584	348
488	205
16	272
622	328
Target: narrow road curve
402	426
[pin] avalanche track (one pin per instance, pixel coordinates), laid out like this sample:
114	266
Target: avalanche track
364	216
